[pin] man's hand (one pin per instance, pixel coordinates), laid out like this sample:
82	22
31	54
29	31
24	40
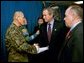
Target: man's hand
42	49
37	46
38	32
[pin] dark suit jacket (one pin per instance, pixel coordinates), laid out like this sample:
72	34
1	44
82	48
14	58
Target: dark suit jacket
57	38
36	40
72	50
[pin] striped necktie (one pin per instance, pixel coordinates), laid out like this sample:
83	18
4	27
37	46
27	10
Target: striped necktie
49	32
68	34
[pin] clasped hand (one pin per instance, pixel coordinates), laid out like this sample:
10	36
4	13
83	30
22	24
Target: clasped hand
40	49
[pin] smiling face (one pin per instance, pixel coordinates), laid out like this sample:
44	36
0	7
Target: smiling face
19	16
46	16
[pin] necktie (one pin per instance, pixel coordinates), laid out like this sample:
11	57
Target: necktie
68	34
67	37
49	32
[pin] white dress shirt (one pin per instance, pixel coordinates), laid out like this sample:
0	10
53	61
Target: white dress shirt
74	25
52	23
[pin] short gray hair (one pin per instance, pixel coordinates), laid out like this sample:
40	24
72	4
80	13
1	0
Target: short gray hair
77	10
18	14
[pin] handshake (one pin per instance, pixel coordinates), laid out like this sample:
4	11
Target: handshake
41	49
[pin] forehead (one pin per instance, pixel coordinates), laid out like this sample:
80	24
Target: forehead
45	11
68	10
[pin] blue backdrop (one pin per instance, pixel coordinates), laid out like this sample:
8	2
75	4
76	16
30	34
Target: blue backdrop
31	9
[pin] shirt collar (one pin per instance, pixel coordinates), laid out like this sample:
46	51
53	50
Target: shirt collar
74	25
51	22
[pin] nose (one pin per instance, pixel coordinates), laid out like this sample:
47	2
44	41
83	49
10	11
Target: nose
43	17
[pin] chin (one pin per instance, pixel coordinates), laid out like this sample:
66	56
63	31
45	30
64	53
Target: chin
67	26
46	21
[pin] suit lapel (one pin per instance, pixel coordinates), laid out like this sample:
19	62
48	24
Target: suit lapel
69	38
72	32
54	30
45	29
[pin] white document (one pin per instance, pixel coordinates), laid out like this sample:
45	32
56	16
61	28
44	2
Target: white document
42	49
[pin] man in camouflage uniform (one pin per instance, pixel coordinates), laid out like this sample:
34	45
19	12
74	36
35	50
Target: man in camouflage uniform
16	44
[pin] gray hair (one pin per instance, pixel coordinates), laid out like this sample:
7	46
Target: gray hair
77	10
18	14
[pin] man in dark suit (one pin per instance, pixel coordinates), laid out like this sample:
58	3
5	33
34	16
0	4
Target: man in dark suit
52	33
72	50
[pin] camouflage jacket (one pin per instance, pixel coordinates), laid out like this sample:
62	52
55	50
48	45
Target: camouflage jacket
26	34
17	46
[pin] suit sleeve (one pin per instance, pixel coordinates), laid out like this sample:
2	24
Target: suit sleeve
77	48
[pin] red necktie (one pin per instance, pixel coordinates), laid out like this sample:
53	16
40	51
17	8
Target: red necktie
68	34
49	32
